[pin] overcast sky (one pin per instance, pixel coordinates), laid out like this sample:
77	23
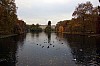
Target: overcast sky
41	11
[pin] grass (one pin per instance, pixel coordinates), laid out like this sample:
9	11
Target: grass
6	36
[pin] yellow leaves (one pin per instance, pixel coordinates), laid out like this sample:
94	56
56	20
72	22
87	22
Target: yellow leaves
61	29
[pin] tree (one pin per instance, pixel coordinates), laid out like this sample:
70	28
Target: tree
83	9
8	16
36	28
49	23
86	20
99	8
37	25
48	28
87	16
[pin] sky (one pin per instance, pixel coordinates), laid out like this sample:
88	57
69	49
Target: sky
42	11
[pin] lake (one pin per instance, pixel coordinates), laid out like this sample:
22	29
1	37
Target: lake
50	49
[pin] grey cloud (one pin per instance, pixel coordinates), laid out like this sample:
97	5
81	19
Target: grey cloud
44	11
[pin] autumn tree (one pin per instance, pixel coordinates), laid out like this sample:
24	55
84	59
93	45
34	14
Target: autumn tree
83	9
87	16
8	16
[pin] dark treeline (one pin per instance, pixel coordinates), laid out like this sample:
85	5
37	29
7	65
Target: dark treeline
9	23
85	20
48	28
35	28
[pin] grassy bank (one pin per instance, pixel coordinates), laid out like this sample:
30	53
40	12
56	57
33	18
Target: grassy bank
6	36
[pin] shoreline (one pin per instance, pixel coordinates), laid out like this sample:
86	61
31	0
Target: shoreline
84	34
6	36
90	34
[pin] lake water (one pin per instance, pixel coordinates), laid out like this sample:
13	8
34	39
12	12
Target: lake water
42	49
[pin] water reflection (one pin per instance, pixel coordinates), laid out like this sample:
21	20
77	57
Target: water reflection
61	35
98	50
35	33
8	50
44	50
85	49
50	49
49	36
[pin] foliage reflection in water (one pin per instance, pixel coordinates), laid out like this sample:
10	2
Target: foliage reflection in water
85	49
49	49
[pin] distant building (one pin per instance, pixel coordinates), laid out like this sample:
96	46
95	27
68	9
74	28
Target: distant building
43	26
53	26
